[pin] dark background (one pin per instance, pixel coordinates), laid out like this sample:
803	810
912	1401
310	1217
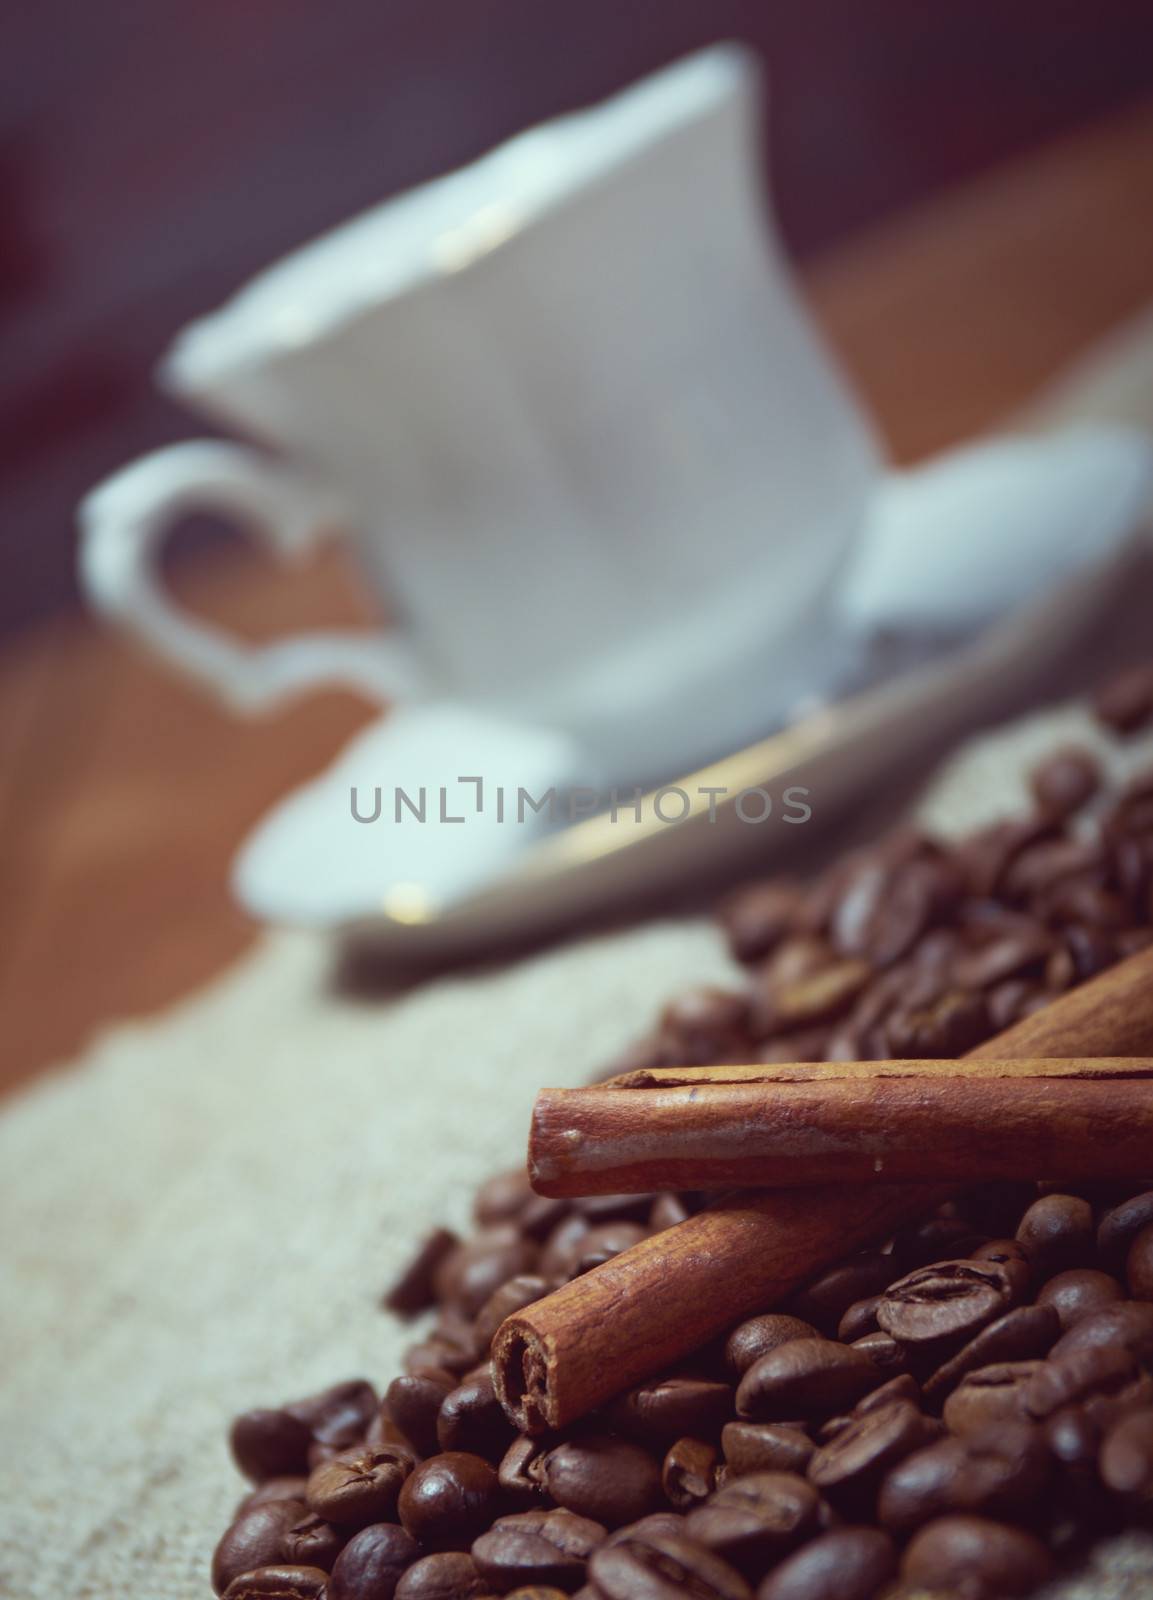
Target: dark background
153	155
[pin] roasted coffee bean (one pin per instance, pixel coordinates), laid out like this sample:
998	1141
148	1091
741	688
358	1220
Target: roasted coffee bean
757	918
846	1564
312	1542
1057	1233
473	1271
537	1547
950	1026
440	1353
1004	1470
1126	1458
1078	1293
765	1447
1119	1227
359	1486
657	1525
828	1297
449	1500
668	1210
805	1378
859	1319
502	1197
941	1238
254	1539
689	1473
848	1468
949	1301
667	1409
704	1025
269	1444
506	1301
1139	1265
293	1488
606	1479
886	906
449	1575
756	1519
414	1403
562	1248
662	1567
1125	702
284	1582
541	1216
887	1354
1127	1326
977	1559
521	1471
754	1338
603	1243
413	1291
1065	781
1021	951
902	1387
471	1419
989	1395
1002	1250
1024	1334
371	1564
809	1002
1078	1376
338	1417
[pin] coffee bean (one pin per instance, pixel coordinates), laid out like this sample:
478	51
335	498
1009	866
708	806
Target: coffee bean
989	1395
1057	1233
754	1338
604	1243
293	1488
1125	702
269	1444
371	1564
757	918
704	1025
886	1353
471	1419
1119	1227
359	1486
561	1250
606	1479
1139	1265
279	1583
1126	1459
502	1197
1078	1293
449	1575
521	1472
449	1500
1127	1326
805	1378
1024	1334
668	1210
976	1558
413	1291
312	1542
956	1022
255	1539
849	1467
537	1547
859	1319
663	1567
846	1564
765	1447
689	1473
756	1519
661	1412
1065	780
1004	1470
1077	1376
828	1297
338	1417
414	1403
1019	951
473	1271
506	1301
949	1301
657	1525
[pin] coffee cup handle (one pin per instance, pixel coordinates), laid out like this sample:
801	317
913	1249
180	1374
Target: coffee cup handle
123	523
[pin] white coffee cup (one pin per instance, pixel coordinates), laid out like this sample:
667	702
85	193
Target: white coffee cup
574	419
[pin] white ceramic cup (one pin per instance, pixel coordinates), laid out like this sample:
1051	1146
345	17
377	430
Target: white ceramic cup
576	424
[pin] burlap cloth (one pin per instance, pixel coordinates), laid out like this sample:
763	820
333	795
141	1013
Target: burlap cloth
199	1215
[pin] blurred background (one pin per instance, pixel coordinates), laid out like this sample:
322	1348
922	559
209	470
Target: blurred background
965	184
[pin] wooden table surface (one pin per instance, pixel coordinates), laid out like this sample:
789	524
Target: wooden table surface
123	793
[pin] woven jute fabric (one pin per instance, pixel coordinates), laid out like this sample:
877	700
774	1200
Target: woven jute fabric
199	1216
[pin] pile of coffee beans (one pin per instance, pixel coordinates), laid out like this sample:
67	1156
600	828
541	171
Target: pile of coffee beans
962	1411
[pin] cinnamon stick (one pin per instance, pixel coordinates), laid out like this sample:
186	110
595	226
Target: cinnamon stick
668	1295
786	1126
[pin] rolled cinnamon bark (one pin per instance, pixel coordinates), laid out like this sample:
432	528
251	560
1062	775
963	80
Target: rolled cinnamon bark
783	1127
668	1295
